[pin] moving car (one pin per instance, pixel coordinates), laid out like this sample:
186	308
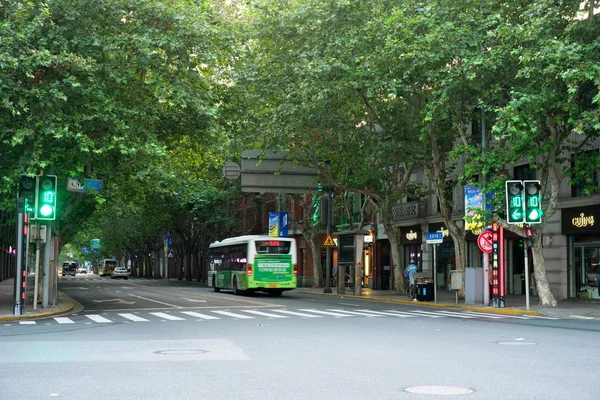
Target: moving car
119	272
82	270
69	268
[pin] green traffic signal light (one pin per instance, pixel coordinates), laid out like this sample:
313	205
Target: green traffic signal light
45	206
533	202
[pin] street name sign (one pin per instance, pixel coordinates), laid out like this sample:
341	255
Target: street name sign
434	237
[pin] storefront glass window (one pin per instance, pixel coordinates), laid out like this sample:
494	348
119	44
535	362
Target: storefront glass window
586	256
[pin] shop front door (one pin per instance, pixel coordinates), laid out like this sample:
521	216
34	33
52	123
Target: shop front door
587	270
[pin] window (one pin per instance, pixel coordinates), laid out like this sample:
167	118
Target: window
524	173
448	196
584	182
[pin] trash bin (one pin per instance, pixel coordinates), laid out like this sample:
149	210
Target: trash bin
424	289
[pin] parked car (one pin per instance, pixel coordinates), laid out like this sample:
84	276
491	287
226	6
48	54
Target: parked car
119	272
69	268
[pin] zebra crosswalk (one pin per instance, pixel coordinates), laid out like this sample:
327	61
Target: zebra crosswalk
275	313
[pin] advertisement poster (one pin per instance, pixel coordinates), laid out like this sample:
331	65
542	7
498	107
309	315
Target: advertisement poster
278	224
473	203
274	224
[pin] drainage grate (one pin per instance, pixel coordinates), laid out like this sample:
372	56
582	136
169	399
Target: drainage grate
439	390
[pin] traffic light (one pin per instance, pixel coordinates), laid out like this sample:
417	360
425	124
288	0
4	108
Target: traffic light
533	202
45	204
514	202
27	191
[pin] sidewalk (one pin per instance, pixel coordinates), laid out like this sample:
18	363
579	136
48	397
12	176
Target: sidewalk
63	304
514	304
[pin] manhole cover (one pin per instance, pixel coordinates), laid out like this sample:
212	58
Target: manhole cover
517	343
181	352
439	390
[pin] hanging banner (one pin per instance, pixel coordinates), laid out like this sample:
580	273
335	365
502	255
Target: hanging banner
278	223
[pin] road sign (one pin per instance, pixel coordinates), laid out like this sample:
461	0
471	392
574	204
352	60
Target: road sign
329	242
73	185
484	241
434	237
170	254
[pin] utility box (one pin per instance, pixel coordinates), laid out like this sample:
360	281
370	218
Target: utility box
473	285
456	279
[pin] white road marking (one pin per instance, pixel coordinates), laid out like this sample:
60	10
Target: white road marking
428	314
133	317
155	301
264	314
497	315
297	314
167	316
456	314
64	320
230	314
27	322
363	313
325	312
194	300
393	313
198	315
484	315
98	318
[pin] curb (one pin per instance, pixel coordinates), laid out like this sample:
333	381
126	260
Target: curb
44	314
506	311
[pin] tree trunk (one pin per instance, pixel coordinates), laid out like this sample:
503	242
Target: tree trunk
394	233
541	277
460	254
316	258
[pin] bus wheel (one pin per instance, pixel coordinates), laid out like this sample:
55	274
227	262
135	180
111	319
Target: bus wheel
235	287
214	285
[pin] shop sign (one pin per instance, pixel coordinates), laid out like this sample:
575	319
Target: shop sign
583	220
580	220
411	234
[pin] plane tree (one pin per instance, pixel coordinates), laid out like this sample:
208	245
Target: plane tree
310	70
550	117
96	90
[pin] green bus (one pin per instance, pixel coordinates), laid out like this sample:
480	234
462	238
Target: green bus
253	263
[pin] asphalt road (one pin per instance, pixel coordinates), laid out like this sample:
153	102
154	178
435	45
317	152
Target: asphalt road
142	339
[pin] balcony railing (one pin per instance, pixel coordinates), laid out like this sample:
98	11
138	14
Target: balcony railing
409	211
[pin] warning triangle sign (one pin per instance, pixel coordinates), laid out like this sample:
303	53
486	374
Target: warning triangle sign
329	242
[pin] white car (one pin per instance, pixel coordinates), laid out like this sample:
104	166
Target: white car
119	272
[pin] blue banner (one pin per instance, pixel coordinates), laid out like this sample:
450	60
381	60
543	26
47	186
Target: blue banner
283	223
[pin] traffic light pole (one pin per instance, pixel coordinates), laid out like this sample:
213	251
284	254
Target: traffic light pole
527	277
19	300
46	278
328	251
